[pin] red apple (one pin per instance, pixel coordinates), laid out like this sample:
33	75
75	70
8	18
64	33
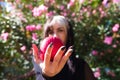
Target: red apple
57	43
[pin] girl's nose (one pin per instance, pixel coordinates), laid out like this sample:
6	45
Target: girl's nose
54	35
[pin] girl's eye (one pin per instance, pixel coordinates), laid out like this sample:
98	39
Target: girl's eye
60	30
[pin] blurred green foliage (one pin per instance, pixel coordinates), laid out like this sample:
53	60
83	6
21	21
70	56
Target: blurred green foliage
92	21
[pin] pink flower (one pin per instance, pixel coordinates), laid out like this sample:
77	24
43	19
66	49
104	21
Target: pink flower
49	14
94	11
29	6
34	36
94	52
23	48
73	14
97	74
115	28
114	46
20	15
52	1
116	1
109	72
64	14
17	1
108	40
85	10
98	69
37	11
38	27
62	7
71	3
81	1
102	12
104	2
4	36
31	27
42	8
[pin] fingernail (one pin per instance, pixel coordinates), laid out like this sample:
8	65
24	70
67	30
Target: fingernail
71	47
51	44
71	50
63	48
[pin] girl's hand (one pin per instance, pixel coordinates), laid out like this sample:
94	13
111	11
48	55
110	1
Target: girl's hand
52	68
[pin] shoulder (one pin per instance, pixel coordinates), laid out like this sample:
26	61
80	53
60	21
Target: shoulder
83	66
79	60
77	63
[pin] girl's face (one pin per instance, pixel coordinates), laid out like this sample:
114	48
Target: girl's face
58	31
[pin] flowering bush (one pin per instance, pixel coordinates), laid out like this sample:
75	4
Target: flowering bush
96	24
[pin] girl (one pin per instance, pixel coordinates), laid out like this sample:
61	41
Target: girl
67	67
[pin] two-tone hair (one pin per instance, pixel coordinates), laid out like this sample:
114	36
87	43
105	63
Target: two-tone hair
61	20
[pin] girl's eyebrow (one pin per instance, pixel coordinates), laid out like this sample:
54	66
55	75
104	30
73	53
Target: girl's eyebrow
61	28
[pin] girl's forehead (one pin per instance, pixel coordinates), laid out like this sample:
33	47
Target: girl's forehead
58	25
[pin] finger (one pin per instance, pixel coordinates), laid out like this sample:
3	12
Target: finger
35	53
58	55
48	54
65	58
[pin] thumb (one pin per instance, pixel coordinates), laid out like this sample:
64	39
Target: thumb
35	53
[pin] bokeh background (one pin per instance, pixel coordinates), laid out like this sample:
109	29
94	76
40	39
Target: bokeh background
96	26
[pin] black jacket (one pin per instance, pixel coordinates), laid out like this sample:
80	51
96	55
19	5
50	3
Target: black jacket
74	69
